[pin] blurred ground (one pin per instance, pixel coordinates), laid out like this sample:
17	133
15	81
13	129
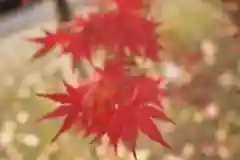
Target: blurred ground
35	14
201	64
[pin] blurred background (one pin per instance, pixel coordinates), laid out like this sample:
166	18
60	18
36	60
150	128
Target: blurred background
201	63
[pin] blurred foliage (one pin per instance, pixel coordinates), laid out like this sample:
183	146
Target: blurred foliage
201	64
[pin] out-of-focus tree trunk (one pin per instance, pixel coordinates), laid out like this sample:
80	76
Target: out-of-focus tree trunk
64	11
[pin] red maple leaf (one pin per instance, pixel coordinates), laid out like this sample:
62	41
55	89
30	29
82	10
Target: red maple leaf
123	122
69	108
104	86
49	41
79	47
128	30
117	30
149	89
75	44
114	31
86	100
129	120
129	111
113	104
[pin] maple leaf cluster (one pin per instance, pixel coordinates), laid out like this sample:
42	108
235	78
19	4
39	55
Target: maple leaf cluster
113	102
114	31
